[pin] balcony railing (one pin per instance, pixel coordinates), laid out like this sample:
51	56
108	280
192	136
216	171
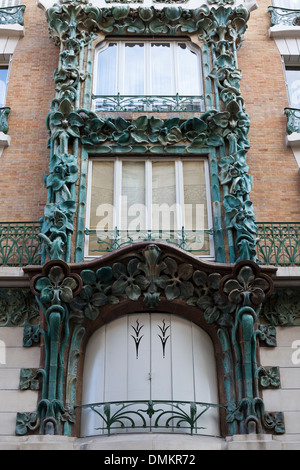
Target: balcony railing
194	241
278	243
4	112
180	416
284	16
19	243
148	103
293	120
12	15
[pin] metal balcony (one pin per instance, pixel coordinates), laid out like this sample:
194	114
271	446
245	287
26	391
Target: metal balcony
284	16
154	415
20	244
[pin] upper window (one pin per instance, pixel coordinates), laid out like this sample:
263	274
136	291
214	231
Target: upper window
293	84
157	68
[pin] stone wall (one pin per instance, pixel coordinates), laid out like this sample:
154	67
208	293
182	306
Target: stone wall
13	358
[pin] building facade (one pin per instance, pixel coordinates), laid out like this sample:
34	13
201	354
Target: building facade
149	234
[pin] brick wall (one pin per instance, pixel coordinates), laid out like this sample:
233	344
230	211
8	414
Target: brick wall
30	91
276	185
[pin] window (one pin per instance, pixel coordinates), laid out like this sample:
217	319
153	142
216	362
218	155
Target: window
293	84
158	68
3	84
142	195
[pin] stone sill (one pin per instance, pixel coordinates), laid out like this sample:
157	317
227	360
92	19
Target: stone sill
151	442
12	30
281	32
293	140
4	140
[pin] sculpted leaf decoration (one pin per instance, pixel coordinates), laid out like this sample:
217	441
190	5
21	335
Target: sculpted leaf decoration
129	281
56	284
178	283
96	293
247	286
208	298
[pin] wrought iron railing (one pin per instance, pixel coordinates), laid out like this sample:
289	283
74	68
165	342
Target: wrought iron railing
278	243
12	15
4	112
19	243
134	103
284	16
188	240
182	416
293	120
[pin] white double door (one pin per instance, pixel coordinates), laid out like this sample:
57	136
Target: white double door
149	357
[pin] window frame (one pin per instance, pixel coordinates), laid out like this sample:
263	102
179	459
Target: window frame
179	188
287	67
5	65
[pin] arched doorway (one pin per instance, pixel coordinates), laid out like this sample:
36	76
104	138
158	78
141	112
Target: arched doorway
157	357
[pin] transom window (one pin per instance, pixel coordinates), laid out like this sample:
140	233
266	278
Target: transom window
159	68
162	195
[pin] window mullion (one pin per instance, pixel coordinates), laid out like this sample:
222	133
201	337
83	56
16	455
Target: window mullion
120	68
148	68
175	65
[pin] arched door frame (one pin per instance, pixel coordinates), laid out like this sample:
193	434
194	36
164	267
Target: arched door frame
222	299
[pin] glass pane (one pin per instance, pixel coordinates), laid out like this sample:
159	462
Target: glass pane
195	205
133	196
292	4
188	71
293	83
3	78
106	74
102	200
134	69
163	196
161	65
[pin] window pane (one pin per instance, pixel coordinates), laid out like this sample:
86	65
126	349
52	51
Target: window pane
134	69
107	62
133	196
102	200
195	205
161	66
293	83
163	196
188	71
3	78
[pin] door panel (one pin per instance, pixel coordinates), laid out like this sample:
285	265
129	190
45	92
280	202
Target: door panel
149	357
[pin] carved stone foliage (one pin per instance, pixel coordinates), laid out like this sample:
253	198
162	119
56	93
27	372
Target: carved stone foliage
55	288
150	276
18	307
74	25
282	308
